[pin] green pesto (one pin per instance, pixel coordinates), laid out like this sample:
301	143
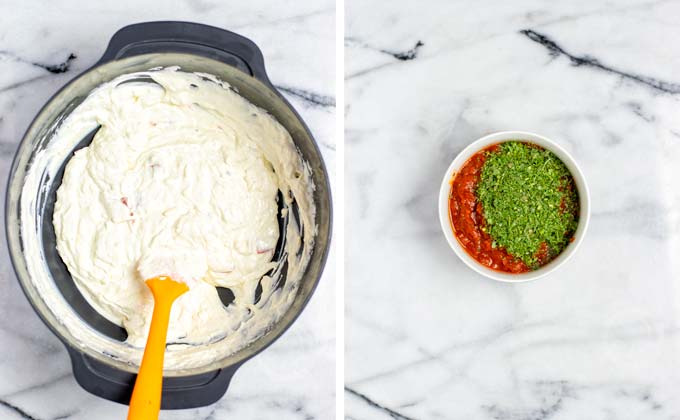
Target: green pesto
528	197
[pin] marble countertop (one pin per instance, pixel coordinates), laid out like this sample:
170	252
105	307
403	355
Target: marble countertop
426	337
45	44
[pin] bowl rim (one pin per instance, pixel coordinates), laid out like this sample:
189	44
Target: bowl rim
15	242
501	137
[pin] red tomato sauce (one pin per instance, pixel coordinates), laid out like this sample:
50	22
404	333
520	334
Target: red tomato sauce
467	218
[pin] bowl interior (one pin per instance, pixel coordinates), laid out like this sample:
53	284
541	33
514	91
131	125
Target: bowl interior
463	156
57	277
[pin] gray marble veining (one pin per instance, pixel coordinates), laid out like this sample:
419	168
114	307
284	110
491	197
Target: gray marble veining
45	44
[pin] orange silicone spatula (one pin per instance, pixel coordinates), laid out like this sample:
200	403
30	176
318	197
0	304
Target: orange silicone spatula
145	403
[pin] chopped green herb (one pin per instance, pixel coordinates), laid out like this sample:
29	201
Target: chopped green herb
528	199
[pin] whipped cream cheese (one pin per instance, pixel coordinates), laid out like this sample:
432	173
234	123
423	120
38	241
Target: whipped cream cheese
181	178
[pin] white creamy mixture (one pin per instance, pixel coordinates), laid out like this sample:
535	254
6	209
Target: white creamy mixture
182	179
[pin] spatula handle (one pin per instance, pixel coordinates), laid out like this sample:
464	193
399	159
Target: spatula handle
145	403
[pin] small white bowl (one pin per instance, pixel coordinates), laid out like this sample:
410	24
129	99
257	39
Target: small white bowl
500	137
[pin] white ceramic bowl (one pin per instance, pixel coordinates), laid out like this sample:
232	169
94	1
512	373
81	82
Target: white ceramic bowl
500	137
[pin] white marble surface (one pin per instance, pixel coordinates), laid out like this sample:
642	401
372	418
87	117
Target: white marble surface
294	378
426	337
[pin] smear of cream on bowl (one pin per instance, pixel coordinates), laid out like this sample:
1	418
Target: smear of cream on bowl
183	169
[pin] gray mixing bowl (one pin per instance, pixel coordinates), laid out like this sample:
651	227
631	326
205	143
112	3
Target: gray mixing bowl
139	47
